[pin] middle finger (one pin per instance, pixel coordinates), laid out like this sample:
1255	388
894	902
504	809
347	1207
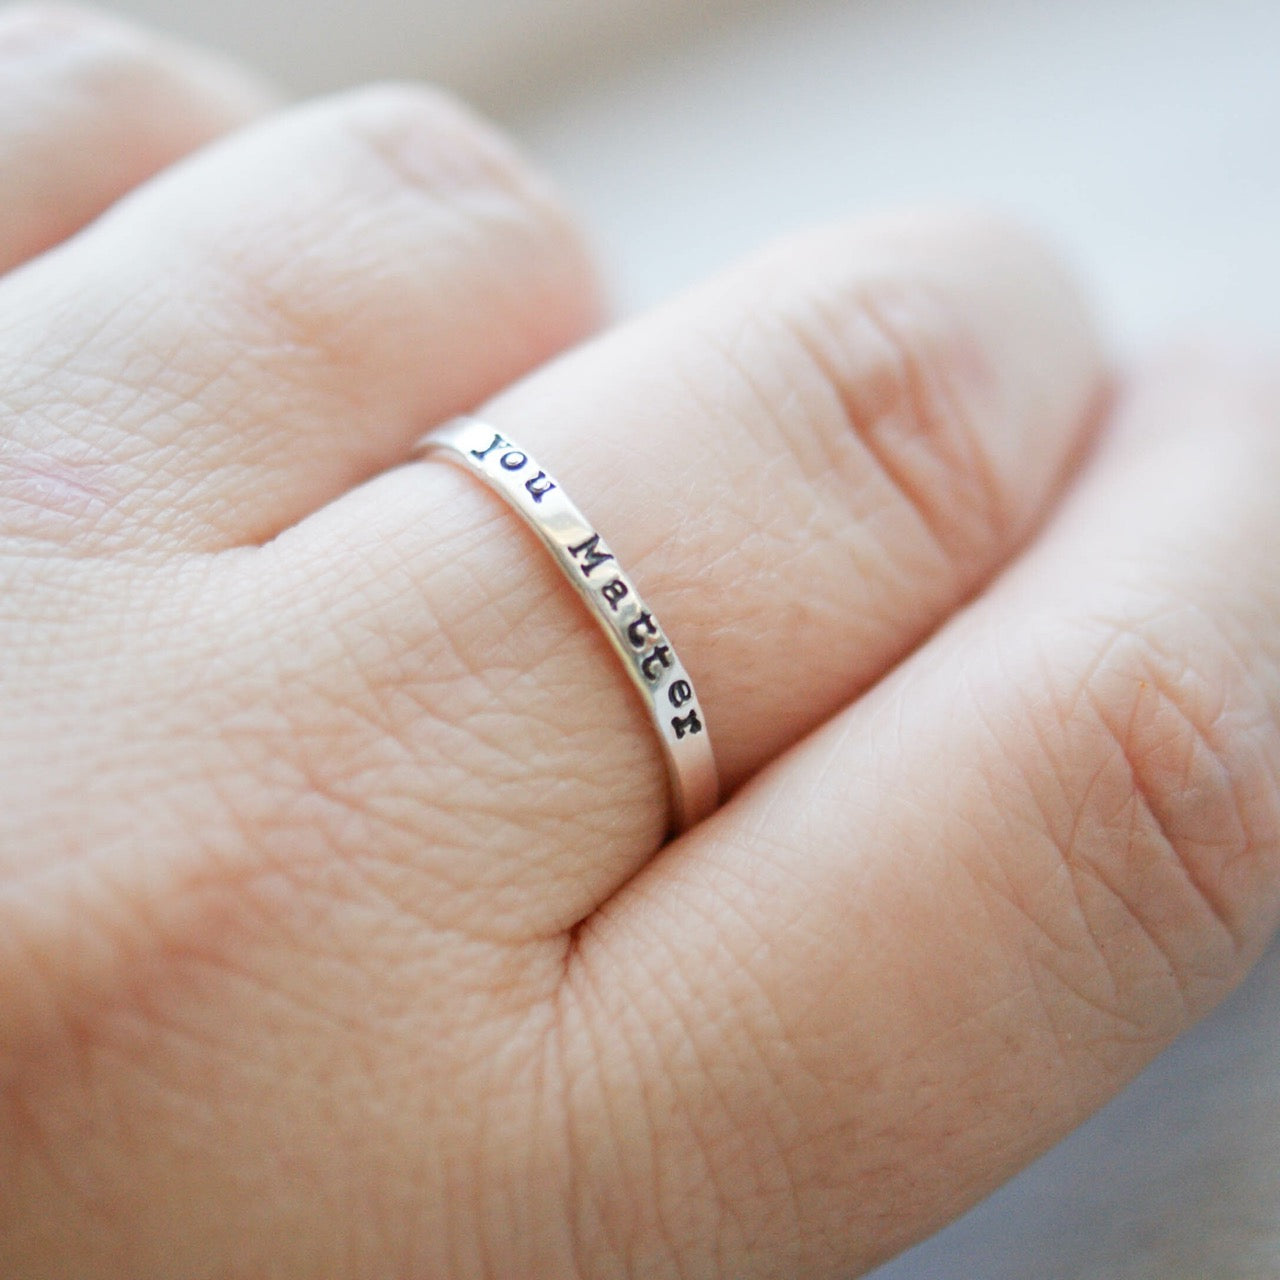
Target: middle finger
269	322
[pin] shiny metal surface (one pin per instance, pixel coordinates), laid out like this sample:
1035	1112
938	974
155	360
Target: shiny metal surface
646	652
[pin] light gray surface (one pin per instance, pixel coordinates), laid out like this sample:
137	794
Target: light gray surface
1142	134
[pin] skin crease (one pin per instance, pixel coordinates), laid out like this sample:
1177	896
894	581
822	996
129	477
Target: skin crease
337	932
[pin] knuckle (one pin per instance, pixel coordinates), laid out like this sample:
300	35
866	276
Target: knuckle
450	188
1164	810
431	142
897	379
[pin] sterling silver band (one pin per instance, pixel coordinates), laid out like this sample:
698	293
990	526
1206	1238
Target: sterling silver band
637	637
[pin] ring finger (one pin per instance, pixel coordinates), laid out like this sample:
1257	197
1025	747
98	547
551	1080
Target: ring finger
805	466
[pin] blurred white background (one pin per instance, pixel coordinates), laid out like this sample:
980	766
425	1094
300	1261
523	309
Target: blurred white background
1144	135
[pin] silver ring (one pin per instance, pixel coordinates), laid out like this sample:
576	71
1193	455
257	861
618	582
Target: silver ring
636	636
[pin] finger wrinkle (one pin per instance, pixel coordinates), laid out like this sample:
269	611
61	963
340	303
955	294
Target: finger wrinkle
1165	817
903	401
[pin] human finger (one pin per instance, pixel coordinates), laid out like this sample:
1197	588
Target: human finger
804	465
89	108
945	929
276	318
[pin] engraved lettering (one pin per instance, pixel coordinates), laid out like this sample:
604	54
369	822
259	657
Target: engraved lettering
498	441
686	724
532	485
662	656
514	460
639	629
614	592
589	554
680	693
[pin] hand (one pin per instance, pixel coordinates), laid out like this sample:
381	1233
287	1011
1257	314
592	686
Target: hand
337	934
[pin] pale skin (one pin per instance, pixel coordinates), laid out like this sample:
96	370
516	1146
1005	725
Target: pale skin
339	932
